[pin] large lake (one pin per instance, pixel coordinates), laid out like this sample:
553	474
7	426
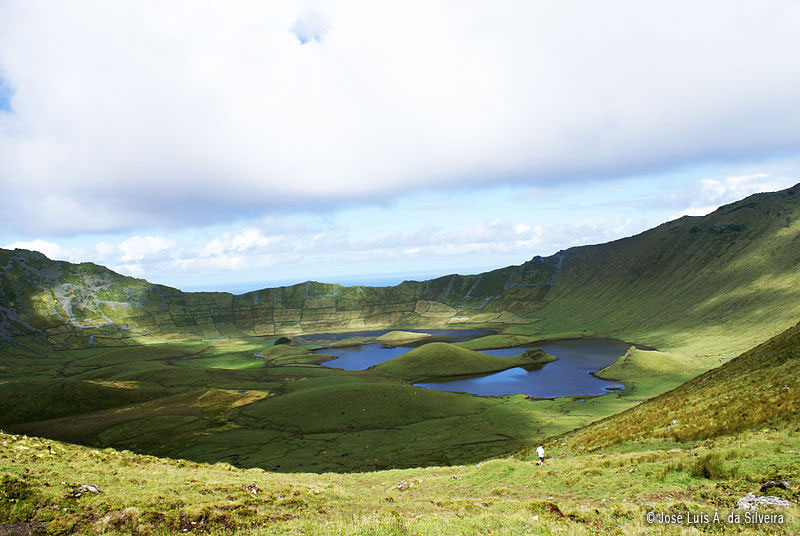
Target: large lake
570	375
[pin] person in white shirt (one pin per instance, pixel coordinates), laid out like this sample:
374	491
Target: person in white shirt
540	452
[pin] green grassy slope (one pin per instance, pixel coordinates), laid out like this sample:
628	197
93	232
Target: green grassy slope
401	336
759	388
25	401
571	495
490	342
649	371
697	285
638	364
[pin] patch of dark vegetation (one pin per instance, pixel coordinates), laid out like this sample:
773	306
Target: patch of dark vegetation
23	529
283	340
13	489
17	500
25	401
545	507
712	467
741	206
775	484
727	228
719	229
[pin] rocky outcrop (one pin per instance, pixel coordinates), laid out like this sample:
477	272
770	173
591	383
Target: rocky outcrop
751	501
779	484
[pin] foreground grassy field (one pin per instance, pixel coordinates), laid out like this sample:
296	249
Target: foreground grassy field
572	494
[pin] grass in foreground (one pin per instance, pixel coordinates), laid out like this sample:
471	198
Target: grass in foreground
575	494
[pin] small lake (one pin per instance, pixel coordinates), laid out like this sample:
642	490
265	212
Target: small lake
366	355
569	376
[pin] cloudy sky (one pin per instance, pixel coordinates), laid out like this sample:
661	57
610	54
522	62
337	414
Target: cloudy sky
232	145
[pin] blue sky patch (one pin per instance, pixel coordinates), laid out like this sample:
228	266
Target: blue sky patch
309	27
5	96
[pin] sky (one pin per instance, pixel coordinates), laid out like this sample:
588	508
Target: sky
231	146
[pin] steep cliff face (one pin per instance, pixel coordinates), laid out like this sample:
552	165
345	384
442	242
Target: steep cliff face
734	274
70	304
54	299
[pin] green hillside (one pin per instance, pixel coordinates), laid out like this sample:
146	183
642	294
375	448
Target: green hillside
76	306
438	360
759	388
716	284
573	494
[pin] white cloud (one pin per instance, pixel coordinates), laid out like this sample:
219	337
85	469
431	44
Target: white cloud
133	270
706	195
228	262
249	249
138	248
50	249
136	114
106	252
521	228
486	238
247	240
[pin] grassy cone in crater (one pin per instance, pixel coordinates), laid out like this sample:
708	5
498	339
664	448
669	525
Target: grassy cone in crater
439	360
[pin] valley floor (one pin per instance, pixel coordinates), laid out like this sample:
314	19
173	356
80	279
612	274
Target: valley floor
254	404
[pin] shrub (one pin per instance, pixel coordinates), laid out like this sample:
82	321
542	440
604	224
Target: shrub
711	466
17	500
13	490
736	453
674	467
545	507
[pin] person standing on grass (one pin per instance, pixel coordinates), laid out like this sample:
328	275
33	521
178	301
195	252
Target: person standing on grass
540	452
